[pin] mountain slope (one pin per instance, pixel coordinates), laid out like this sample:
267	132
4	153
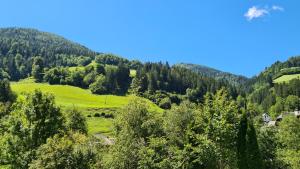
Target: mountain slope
278	69
214	73
19	46
31	41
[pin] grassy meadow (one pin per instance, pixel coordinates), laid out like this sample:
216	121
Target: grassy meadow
286	78
82	99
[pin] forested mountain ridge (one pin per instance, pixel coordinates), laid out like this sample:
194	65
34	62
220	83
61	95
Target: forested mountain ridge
278	69
29	41
214	73
276	98
18	47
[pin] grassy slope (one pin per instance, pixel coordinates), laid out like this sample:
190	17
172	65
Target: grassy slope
69	96
286	78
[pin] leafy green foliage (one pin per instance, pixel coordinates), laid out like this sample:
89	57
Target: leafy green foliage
99	86
268	145
75	121
72	150
184	137
221	125
32	121
165	103
113	80
110	59
38	69
6	94
37	135
289	137
133	128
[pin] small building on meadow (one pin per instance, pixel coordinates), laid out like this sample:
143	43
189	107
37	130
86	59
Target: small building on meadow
269	122
266	118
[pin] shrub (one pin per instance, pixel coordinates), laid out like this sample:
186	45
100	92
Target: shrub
165	103
96	115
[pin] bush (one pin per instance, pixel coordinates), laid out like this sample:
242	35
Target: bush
99	86
165	103
75	121
108	116
96	115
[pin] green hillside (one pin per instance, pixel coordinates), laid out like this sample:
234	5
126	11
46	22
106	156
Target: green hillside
67	96
278	69
88	103
36	42
286	78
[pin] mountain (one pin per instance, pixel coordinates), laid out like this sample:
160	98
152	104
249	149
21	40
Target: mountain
31	41
214	73
19	47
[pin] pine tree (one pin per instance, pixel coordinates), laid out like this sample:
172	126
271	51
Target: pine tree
253	153
241	143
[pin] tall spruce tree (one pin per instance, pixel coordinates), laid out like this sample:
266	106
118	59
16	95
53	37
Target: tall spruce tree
253	152
242	143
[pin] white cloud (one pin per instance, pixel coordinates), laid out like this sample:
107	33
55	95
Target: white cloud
257	12
277	8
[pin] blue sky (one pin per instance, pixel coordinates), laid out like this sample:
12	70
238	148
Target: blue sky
238	36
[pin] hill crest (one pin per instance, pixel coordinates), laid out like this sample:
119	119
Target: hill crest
215	73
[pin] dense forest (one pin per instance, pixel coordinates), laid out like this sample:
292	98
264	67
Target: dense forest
216	74
209	119
276	98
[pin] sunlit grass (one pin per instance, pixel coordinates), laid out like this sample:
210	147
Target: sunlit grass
82	99
286	78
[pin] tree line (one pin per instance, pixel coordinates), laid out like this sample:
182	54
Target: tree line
216	134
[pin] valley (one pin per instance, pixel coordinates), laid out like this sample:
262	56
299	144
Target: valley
63	105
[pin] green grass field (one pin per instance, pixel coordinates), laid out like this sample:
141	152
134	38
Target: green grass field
286	78
88	103
99	125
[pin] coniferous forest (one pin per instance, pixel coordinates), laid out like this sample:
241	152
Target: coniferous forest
152	115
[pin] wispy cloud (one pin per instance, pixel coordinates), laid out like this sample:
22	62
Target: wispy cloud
277	8
258	12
